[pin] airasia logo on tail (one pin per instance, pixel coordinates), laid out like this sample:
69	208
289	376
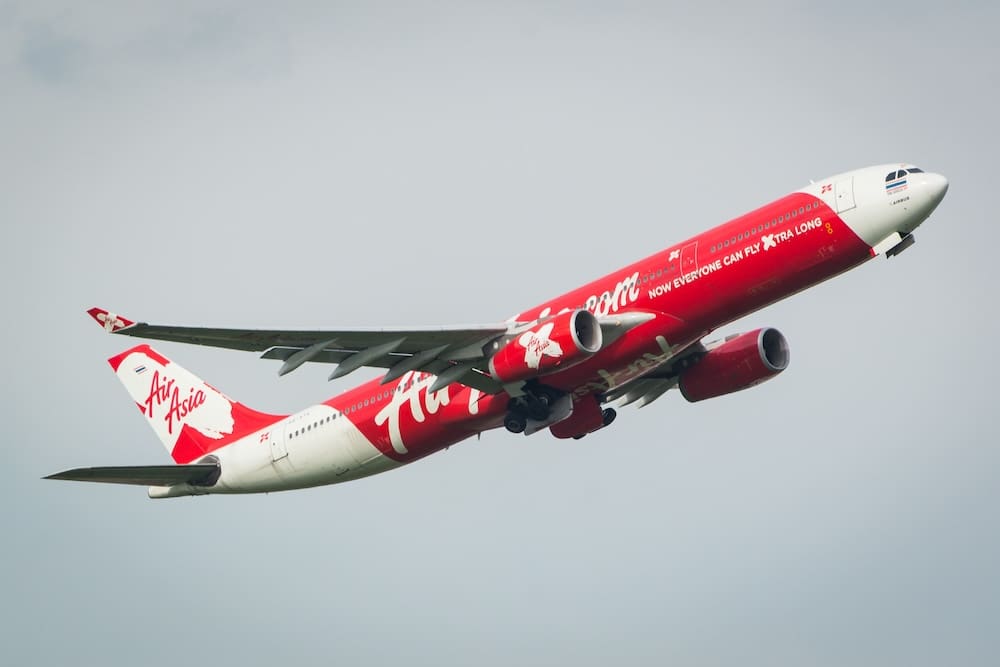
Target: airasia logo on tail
167	391
171	397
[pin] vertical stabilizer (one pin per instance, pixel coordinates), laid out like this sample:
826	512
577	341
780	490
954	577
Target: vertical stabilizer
190	417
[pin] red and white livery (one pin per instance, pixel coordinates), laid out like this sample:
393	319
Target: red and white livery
628	337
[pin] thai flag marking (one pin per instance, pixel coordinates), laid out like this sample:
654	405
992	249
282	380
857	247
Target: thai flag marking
895	186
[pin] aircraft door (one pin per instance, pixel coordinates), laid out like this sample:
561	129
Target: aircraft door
845	194
276	439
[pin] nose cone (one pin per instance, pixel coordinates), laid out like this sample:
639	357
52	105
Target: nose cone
935	186
929	190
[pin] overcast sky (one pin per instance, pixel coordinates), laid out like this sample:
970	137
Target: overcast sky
366	164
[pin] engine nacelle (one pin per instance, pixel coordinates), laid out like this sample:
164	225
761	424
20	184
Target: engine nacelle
739	363
550	345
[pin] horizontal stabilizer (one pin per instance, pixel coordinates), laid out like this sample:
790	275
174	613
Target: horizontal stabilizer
197	474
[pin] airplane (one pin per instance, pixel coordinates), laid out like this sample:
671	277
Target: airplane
625	338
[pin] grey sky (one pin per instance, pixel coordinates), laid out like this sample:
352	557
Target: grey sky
399	163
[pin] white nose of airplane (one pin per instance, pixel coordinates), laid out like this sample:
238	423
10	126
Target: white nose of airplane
929	189
935	186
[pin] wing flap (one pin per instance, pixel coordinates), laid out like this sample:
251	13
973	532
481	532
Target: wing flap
196	474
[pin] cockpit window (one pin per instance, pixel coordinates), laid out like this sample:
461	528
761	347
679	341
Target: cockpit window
902	172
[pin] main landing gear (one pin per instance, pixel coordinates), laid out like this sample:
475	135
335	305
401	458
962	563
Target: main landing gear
515	423
535	404
540	405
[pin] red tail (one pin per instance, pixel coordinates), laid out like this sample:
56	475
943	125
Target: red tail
191	417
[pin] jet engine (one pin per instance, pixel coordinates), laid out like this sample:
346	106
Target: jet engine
741	362
547	346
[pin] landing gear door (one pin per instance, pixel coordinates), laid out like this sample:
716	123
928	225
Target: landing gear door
845	194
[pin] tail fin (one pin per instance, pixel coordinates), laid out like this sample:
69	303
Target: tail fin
190	417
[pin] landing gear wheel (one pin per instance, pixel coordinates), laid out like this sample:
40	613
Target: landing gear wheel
540	407
538	411
514	423
608	414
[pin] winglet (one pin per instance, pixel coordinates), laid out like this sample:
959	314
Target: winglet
109	321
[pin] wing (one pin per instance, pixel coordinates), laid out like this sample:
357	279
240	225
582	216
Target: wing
454	354
199	474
